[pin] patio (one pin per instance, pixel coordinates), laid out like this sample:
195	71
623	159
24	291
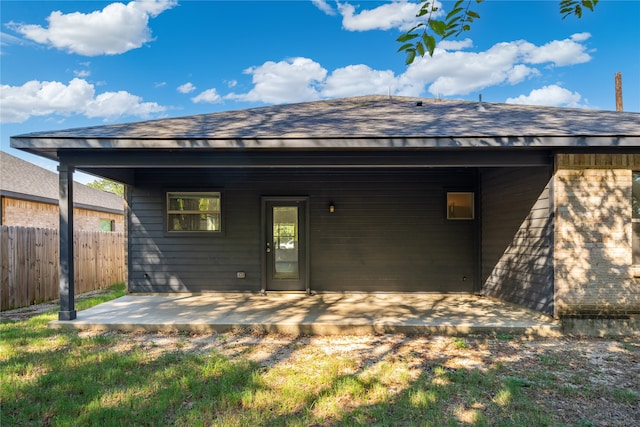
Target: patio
322	314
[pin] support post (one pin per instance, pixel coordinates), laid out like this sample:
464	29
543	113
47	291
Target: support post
67	269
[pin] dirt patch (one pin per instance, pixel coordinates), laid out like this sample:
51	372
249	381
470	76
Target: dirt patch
25	313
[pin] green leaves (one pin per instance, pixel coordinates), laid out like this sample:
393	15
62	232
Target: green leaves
422	38
438	27
407	36
109	186
574	7
455	22
430	42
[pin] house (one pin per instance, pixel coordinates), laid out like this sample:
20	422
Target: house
29	198
532	205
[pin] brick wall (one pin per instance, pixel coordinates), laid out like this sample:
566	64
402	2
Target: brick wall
88	220
594	274
27	213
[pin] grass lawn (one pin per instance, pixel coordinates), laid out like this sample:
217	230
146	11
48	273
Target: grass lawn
69	378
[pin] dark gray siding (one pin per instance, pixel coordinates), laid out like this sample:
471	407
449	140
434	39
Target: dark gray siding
517	236
162	263
388	233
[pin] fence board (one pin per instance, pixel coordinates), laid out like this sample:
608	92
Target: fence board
4	271
29	260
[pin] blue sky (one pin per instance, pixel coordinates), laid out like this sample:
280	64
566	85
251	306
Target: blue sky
70	64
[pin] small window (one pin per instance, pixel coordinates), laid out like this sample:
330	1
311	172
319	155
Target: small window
187	212
107	225
635	217
460	205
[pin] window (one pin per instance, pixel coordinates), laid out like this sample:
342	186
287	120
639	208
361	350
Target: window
187	212
635	217
107	225
460	205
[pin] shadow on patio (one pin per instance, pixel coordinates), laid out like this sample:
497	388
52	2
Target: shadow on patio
322	314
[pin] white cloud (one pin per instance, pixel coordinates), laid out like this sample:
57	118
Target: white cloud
81	73
210	96
580	37
357	80
459	73
41	98
7	40
111	105
186	88
292	80
36	98
552	95
115	29
232	83
399	14
324	6
455	44
519	73
559	52
447	73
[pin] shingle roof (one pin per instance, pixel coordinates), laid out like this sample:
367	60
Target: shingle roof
21	178
375	117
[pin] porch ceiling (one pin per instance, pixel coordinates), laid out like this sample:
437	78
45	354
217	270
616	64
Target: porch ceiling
122	166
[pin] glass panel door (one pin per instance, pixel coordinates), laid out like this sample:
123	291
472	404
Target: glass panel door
285	241
285	258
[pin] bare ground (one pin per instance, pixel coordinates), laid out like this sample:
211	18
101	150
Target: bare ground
25	313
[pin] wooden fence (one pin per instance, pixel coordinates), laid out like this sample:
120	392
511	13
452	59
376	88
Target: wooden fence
30	263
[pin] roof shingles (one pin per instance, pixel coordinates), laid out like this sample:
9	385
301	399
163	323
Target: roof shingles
18	176
371	117
374	117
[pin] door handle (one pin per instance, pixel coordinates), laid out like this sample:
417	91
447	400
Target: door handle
268	247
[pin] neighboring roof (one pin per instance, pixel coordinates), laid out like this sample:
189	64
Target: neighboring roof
21	179
370	120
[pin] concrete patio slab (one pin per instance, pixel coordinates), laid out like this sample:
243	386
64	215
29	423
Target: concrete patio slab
322	314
